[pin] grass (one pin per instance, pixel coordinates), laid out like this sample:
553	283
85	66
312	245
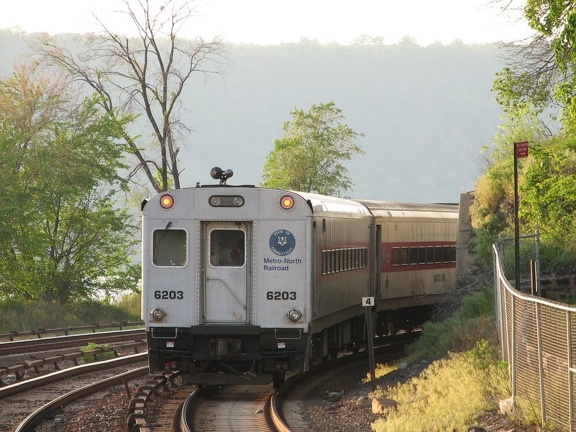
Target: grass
465	380
107	355
449	395
26	316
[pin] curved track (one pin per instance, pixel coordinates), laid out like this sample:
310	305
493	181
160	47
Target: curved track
57	404
20	400
240	408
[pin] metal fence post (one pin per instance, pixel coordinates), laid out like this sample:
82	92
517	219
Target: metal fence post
540	364
570	370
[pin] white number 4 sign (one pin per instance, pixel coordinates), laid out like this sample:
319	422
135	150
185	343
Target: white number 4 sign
367	301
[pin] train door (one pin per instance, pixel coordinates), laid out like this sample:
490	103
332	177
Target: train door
225	285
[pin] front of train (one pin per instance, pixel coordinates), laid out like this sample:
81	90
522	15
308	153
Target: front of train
226	288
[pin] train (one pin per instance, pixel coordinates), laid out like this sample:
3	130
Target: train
241	284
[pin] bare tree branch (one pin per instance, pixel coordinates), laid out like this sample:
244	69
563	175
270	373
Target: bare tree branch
142	75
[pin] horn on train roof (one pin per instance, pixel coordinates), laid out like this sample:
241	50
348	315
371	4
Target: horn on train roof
218	173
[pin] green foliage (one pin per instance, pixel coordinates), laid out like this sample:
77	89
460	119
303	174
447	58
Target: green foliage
541	80
460	332
555	19
549	192
447	396
20	315
310	156
141	76
89	358
63	237
131	302
520	94
491	210
491	371
547	199
466	379
479	304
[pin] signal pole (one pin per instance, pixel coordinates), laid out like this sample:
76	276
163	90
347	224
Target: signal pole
520	151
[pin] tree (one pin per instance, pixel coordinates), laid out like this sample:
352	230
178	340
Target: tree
549	195
540	72
61	236
310	155
538	81
142	75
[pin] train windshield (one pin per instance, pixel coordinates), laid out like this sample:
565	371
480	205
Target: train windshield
227	248
169	247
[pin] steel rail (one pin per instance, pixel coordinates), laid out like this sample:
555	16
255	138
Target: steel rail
37	416
66	330
77	370
59	342
184	425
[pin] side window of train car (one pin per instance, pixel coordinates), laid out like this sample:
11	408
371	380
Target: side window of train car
452	253
227	248
396	256
422	255
169	248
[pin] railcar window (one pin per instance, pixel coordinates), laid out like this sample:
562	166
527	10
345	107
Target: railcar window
345	259
396	256
227	248
422	255
452	252
445	254
405	256
430	255
438	254
169	248
413	255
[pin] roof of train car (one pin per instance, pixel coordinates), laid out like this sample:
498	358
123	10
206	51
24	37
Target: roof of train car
323	203
402	209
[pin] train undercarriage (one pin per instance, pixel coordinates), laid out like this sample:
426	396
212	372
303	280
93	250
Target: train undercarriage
222	355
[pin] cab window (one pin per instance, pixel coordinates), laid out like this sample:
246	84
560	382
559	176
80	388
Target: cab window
169	248
227	248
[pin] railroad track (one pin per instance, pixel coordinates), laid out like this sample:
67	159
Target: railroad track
22	359
252	408
60	342
24	404
241	408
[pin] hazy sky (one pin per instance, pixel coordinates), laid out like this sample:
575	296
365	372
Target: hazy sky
276	21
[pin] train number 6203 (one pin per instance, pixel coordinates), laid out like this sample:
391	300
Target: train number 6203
169	295
281	295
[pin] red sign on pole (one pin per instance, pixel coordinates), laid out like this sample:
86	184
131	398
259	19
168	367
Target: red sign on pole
521	149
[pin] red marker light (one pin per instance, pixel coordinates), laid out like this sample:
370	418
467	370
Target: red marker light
287	202
166	201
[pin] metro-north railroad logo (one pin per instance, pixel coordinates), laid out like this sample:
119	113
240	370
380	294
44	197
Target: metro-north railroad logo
282	242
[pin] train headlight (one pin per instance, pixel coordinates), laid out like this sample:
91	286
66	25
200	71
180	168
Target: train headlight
166	201
287	202
294	315
158	314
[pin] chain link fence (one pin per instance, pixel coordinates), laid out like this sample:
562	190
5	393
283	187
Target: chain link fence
536	338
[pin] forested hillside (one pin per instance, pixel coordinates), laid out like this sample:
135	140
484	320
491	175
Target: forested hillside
425	111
